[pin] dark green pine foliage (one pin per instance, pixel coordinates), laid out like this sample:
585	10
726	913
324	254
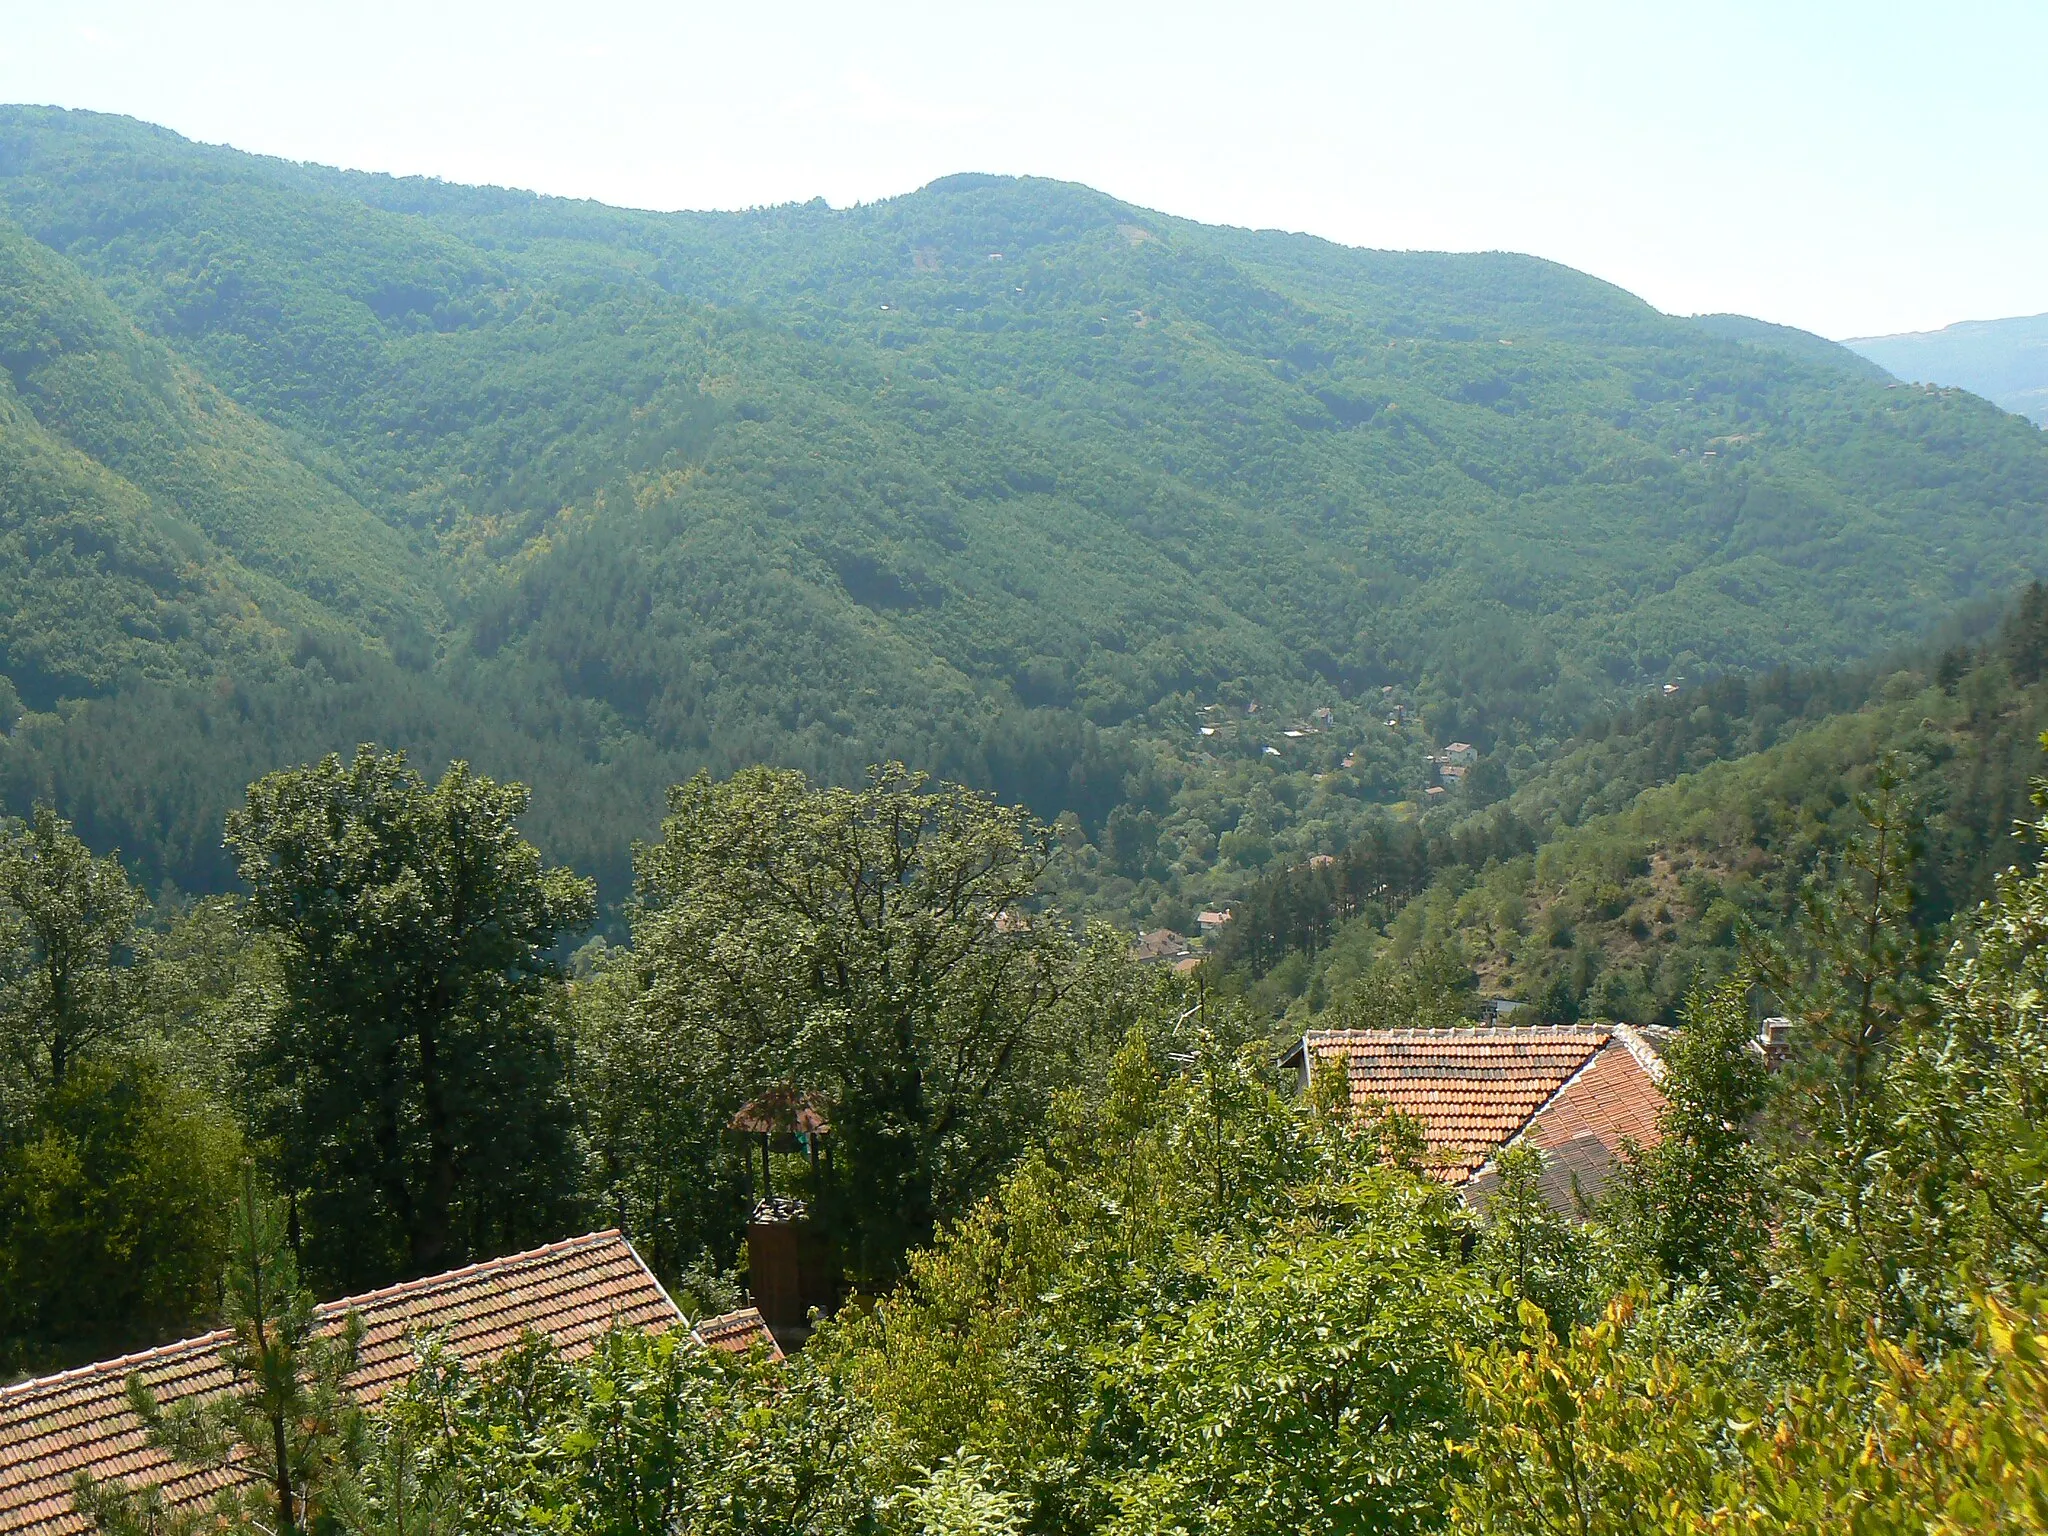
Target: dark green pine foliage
288	1422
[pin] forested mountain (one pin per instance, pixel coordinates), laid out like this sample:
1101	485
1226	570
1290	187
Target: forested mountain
2005	361
1003	478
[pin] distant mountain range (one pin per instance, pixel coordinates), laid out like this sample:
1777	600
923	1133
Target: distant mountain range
2005	361
1002	477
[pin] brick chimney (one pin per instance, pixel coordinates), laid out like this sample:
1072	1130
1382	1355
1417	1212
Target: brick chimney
1774	1038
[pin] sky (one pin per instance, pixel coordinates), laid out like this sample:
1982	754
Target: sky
1851	169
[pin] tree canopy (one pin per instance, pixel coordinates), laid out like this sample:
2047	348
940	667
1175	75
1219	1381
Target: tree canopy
415	1071
877	950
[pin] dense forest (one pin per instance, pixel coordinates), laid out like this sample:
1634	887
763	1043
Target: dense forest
1003	479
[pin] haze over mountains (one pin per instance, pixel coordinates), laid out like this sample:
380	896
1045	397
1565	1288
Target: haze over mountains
2005	361
1002	477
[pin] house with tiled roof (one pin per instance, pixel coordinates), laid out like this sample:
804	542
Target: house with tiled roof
570	1293
1162	946
1577	1093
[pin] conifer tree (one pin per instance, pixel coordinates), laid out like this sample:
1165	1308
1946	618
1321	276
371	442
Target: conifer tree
287	1419
1694	1207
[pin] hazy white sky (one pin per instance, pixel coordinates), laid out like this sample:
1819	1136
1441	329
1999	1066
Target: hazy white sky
1850	168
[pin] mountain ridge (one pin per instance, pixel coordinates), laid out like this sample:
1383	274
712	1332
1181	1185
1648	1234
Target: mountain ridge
2005	361
976	475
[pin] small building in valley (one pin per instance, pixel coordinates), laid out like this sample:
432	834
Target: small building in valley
1162	946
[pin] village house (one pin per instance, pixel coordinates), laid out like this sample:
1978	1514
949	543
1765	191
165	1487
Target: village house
1461	754
1162	946
570	1293
1577	1093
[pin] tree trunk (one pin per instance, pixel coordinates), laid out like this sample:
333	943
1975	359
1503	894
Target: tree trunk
429	1236
390	1149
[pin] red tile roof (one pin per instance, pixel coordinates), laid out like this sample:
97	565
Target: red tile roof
1474	1090
736	1333
52	1428
1615	1098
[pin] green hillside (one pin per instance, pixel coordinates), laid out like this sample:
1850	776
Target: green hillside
1002	477
158	529
1625	869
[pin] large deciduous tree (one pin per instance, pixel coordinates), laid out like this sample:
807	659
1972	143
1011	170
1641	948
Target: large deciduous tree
110	1166
868	947
416	1070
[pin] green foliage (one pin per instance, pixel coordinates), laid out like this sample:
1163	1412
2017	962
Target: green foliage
1428	990
112	1206
66	922
1190	1303
1693	1208
1534	1252
1308	1386
632	494
1848	979
961	1497
1589	1436
1612	1429
414	1072
1388	864
1646	847
1972	1085
1870	1378
1199	1308
659	1162
114	1165
648	1434
292	458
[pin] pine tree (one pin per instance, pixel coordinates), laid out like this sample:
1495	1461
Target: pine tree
288	1418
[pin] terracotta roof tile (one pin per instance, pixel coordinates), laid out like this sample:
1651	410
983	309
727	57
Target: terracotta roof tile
736	1333
572	1292
1613	1099
1474	1090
